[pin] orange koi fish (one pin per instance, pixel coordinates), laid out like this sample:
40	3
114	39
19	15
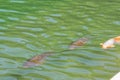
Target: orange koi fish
79	42
117	40
36	60
111	43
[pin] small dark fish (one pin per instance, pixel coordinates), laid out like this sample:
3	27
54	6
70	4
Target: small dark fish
36	60
79	42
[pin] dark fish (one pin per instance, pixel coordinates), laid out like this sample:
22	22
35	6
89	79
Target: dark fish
79	42
36	60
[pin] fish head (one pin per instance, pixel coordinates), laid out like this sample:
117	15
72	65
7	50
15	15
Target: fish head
103	46
101	43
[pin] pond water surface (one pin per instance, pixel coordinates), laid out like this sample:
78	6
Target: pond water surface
31	27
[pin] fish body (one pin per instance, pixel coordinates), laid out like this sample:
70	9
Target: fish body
79	42
117	40
36	60
110	43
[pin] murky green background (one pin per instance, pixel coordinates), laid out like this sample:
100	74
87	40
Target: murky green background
31	27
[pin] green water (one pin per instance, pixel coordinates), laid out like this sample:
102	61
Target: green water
31	27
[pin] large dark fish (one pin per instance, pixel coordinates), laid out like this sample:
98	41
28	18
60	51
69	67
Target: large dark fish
36	60
79	42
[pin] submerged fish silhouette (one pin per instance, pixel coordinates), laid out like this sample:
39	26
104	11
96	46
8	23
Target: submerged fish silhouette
79	42
36	60
111	42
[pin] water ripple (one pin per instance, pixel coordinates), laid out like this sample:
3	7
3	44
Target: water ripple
50	19
18	40
2	20
29	28
12	11
13	18
14	1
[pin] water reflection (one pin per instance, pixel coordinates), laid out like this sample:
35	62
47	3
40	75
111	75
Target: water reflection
15	1
12	11
117	22
2	20
13	18
50	19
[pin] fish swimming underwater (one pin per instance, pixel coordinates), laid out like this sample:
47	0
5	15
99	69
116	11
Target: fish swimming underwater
79	42
117	40
111	42
36	60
